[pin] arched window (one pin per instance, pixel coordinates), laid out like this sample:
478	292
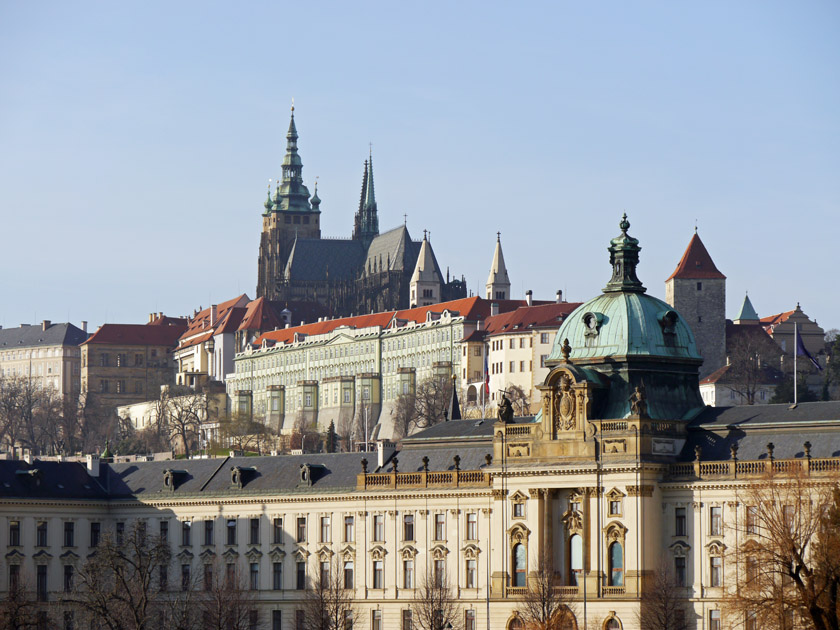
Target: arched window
575	560
519	564
616	565
612	623
516	624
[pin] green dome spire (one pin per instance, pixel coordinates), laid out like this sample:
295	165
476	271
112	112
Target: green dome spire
624	258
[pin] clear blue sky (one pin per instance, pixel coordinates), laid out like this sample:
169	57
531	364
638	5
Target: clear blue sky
136	141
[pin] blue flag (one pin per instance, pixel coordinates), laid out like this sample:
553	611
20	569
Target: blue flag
802	351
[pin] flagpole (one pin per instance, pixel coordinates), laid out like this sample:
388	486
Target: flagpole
795	353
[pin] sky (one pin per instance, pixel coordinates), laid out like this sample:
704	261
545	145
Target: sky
137	140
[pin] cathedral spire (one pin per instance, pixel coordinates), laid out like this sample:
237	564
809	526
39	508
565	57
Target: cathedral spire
498	282
366	225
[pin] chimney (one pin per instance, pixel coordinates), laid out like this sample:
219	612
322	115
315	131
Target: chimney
384	450
84	325
214	313
151	317
45	324
559	296
494	308
529	297
92	462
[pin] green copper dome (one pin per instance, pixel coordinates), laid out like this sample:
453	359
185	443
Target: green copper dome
632	340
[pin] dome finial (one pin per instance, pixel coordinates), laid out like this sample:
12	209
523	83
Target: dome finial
625	224
293	106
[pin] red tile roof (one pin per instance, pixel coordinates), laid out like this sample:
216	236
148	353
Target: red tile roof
231	321
472	309
529	317
136	335
775	320
696	263
200	323
165	320
768	375
260	316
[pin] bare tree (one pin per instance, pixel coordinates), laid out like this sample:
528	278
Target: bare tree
545	606
327	604
405	415
18	608
661	606
435	605
118	585
242	433
224	602
179	413
787	557
431	400
305	434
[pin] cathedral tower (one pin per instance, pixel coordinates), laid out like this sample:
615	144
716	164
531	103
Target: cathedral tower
425	282
697	289
498	283
288	215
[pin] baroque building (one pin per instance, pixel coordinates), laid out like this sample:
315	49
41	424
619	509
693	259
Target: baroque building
369	272
622	471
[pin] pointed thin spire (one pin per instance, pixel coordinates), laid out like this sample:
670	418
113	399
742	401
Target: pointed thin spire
292	194
498	282
747	313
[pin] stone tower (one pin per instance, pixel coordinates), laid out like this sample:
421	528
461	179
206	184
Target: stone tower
288	215
366	224
425	282
498	282
697	289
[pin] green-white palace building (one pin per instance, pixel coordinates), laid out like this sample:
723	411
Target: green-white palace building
622	472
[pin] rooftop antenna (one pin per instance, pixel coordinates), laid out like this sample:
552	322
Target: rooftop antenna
695	226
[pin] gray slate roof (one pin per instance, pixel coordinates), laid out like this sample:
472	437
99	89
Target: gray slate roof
62	480
458	430
311	259
768	414
28	336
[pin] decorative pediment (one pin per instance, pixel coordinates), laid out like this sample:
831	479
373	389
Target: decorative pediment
253	554
439	552
69	557
230	555
208	555
348	553
300	554
378	552
276	554
15	556
41	555
408	552
471	551
518	533
185	555
615	494
573	520
680	549
325	553
518	496
716	548
615	531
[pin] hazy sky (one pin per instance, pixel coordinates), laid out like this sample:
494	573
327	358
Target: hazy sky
137	138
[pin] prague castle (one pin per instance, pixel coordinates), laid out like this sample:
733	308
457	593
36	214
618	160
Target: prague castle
369	272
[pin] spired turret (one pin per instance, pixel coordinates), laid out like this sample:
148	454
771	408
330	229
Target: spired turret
498	282
425	282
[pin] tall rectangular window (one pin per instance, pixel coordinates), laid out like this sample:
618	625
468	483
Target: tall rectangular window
348	529
14	533
679	570
276	620
277	576
41	534
408	573
208	577
406	619
469	619
186	530
376	620
163	577
14	577
679	521
255	531
300	615
379	527
716	521
301	529
471	574
440	526
164	531
253	619
472	526
41	582
326	534
277	531
715	571
439	573
185	577
348	574
378	574
208	532
752	519
68	578
69	534
254	573
231	531
408	527
300	582
714	615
